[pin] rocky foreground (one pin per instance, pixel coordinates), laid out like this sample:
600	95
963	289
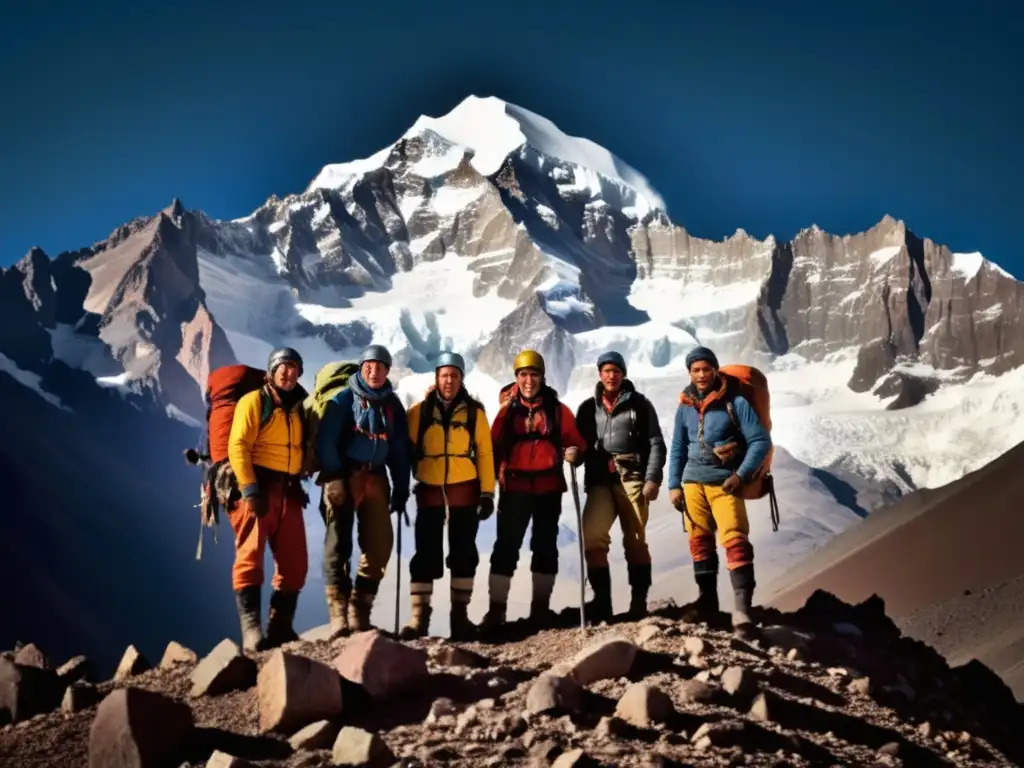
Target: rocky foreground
831	684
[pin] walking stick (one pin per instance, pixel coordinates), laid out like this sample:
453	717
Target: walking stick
398	578
579	531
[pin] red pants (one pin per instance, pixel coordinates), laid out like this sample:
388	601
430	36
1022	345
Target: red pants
285	530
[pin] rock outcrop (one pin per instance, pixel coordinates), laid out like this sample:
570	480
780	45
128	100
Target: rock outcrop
828	684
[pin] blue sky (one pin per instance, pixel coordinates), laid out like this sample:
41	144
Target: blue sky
740	114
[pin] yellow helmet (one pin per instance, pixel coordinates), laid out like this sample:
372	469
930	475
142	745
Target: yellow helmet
528	359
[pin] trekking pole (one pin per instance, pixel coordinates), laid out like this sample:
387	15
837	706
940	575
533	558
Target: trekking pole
579	531
398	579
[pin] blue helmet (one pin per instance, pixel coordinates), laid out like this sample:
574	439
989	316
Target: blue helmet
612	358
283	355
453	359
377	353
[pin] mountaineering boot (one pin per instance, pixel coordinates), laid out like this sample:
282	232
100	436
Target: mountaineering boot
359	610
248	602
743	596
462	628
640	584
419	621
494	618
280	617
337	609
600	608
705	607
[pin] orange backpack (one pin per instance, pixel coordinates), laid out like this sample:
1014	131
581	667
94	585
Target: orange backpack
753	385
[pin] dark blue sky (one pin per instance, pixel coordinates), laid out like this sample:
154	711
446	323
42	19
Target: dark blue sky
768	116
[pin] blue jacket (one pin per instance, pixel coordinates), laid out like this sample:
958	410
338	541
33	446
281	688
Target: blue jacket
365	426
692	458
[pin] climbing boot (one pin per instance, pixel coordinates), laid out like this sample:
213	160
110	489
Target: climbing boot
743	595
462	628
640	584
359	607
540	605
419	622
337	610
600	608
705	608
280	618
248	601
495	618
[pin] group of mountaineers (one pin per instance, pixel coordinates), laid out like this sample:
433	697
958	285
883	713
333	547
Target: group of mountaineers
266	435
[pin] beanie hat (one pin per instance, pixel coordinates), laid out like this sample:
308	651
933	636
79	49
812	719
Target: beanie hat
701	353
612	358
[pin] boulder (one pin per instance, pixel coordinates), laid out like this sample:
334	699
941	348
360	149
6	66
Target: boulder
611	658
354	746
223	760
176	653
136	728
319	735
223	669
75	669
382	666
643	705
79	695
28	691
453	656
552	693
697	691
132	663
30	656
294	691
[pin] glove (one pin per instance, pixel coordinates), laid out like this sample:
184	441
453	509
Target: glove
676	497
486	507
571	454
257	505
334	493
732	484
650	490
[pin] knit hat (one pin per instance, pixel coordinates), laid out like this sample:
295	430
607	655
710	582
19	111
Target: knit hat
613	358
701	353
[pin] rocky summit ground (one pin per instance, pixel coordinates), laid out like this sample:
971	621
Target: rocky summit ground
829	684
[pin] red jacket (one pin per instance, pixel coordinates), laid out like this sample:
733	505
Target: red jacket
533	464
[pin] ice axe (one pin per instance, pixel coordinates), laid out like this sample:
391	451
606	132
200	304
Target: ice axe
579	532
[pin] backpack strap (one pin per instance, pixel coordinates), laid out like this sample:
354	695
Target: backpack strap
266	407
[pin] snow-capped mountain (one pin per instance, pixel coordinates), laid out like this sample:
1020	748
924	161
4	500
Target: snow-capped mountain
894	363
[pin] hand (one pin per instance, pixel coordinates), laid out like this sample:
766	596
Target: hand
732	484
486	507
676	497
571	454
257	505
650	490
334	493
725	453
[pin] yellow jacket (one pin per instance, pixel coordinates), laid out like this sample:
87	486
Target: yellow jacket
431	468
277	446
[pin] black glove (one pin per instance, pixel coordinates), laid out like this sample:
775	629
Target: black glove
258	504
486	507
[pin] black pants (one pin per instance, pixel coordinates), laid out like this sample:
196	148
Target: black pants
515	514
428	562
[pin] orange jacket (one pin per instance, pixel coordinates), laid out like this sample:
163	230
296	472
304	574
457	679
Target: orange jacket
526	456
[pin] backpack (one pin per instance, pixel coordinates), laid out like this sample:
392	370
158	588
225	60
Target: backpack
552	418
427	419
753	385
330	379
225	386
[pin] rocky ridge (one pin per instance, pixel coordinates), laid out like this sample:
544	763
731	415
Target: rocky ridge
828	684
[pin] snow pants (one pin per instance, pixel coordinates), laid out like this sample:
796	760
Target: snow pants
367	502
428	562
710	509
282	527
622	500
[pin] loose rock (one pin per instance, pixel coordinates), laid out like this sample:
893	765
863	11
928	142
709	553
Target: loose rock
608	659
382	666
79	695
354	746
30	656
75	669
551	693
319	735
136	728
643	705
223	760
224	669
132	663
294	691
175	654
27	691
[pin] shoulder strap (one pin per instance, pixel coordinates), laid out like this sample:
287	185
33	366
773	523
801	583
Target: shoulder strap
266	407
471	411
732	413
426	419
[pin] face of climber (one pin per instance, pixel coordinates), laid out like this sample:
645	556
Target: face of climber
702	374
374	373
449	379
285	377
528	380
611	378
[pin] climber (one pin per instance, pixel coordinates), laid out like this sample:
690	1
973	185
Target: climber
454	467
623	473
265	454
532	434
712	456
362	435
